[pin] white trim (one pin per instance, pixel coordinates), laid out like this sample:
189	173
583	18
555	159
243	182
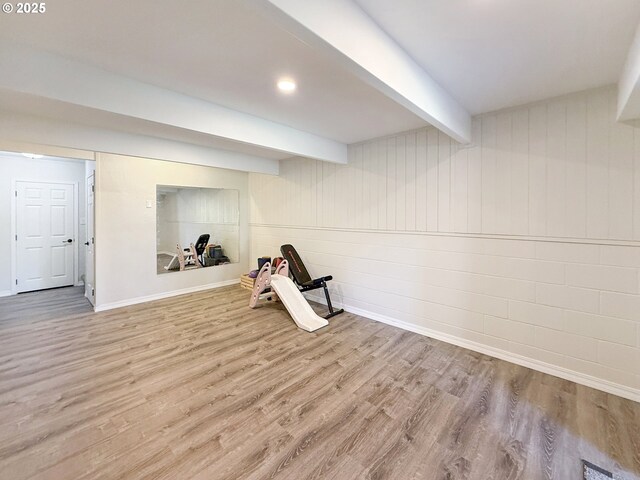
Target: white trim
91	170
6	293
571	375
159	296
14	251
492	236
76	234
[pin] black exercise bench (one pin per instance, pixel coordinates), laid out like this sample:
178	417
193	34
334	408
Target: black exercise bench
303	280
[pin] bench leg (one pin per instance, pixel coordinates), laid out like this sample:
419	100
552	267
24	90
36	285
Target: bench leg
332	313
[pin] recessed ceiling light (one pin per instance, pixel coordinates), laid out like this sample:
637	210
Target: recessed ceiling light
32	155
286	85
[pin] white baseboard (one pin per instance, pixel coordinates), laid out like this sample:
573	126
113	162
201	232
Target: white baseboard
571	375
159	296
5	293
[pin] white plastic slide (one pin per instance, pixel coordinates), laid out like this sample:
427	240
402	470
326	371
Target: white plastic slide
296	304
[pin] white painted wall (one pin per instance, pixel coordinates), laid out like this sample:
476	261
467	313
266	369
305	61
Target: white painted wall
524	245
126	229
17	167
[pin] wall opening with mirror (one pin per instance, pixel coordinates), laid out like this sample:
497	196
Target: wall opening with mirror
196	227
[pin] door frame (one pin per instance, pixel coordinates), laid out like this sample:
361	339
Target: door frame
14	229
90	238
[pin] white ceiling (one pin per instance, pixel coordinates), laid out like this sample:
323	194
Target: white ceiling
487	54
221	51
492	54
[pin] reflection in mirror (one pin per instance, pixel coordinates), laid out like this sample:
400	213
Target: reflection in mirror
196	227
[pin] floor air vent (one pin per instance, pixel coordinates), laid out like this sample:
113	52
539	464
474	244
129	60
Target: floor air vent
593	472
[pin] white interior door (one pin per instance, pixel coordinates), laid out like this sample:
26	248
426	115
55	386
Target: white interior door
89	282
44	235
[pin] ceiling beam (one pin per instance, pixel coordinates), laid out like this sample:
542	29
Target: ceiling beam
49	76
629	84
21	129
354	40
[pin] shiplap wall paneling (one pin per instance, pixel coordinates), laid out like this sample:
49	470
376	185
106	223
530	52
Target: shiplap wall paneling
371	181
290	191
342	196
519	186
488	149
302	179
459	188
328	198
636	187
444	183
320	191
313	180
350	197
372	199
293	192
411	181
269	187
301	192
381	160
432	180
421	181
369	208
255	213
504	158
538	170
391	184
576	167
401	182
275	199
559	169
378	188
597	164
474	179
556	169
330	205
620	182
309	206
367	187
284	195
357	220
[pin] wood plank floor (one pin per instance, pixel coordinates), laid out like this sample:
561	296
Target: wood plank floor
202	387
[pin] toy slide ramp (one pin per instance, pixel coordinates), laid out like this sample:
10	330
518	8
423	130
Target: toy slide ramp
298	307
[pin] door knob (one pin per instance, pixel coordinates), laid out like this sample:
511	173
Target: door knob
69	240
86	243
